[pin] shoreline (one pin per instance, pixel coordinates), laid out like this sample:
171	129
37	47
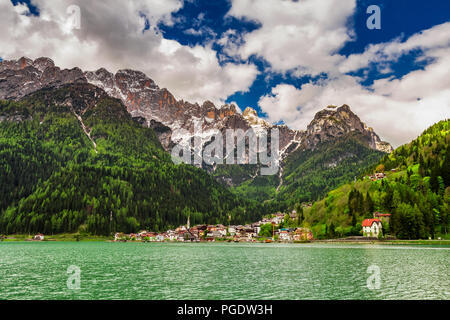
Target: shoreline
91	238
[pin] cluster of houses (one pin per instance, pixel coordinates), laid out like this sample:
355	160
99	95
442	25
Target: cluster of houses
376	176
237	233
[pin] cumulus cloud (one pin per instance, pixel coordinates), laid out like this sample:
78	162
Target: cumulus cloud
297	36
381	53
112	36
283	103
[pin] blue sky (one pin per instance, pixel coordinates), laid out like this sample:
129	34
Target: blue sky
286	59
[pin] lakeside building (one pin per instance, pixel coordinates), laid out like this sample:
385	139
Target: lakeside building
285	235
296	234
278	219
38	237
303	234
372	227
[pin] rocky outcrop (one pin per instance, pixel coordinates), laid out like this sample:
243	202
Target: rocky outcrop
334	122
24	76
164	134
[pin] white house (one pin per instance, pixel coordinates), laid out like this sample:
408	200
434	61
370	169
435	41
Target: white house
372	227
39	237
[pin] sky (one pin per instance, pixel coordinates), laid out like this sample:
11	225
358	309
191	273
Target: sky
286	59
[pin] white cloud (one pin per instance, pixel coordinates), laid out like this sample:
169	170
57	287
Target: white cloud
111	36
433	38
282	104
299	36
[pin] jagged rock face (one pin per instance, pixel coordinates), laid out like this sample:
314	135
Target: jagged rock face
24	76
145	99
252	118
158	108
163	133
331	123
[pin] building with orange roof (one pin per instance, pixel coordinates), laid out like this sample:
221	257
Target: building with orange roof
372	227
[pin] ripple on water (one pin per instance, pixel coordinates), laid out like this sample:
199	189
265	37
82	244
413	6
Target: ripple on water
221	271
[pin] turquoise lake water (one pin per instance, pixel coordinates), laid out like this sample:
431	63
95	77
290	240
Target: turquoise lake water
39	270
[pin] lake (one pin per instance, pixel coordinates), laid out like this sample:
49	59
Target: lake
39	270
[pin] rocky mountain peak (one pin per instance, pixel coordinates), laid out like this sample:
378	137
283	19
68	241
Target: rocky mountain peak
43	63
250	112
208	105
21	77
335	122
230	109
253	119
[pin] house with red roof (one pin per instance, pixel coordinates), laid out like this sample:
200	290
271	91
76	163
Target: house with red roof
372	227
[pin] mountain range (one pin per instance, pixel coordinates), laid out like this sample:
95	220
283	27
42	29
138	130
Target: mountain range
143	98
158	109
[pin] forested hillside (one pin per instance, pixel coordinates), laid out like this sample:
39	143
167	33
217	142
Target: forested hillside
114	177
415	192
309	174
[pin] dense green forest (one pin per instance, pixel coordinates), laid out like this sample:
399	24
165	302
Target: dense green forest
307	174
53	178
416	192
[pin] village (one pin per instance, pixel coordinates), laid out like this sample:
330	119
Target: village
371	229
272	225
219	232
